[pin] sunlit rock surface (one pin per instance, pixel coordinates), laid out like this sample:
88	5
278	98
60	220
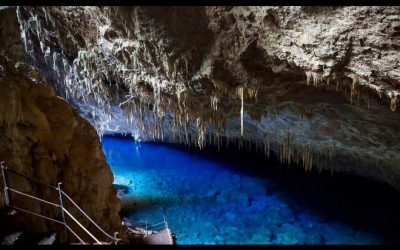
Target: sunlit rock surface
315	85
43	137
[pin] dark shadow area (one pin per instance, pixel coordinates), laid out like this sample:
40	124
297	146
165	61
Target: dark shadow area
131	203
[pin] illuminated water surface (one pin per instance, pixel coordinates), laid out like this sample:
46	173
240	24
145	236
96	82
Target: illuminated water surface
224	199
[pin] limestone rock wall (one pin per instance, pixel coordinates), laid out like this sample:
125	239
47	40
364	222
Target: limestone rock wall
314	85
46	139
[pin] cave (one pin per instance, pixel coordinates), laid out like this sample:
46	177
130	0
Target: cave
195	125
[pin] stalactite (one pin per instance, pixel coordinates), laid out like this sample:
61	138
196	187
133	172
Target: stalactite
201	129
316	79
162	132
256	146
265	146
214	102
332	152
240	92
393	102
355	80
186	132
309	77
252	92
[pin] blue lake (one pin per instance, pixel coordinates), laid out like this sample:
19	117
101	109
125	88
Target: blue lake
236	198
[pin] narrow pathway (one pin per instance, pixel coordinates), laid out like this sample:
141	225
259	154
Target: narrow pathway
163	237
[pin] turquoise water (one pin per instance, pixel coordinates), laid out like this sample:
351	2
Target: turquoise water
237	198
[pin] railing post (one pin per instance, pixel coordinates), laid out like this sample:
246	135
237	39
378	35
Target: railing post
168	230
8	190
116	238
3	171
165	222
62	209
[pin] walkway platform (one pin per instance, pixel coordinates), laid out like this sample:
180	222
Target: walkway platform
163	237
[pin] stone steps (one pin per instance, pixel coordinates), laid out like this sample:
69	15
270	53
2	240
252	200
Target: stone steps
14	234
20	237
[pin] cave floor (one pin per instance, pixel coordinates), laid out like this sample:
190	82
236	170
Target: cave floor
232	198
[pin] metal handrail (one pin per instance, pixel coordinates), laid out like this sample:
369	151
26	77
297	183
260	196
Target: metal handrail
28	177
69	198
30	212
87	216
72	231
156	224
62	193
51	219
33	197
77	222
164	222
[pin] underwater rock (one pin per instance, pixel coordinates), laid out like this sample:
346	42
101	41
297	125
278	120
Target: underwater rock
287	214
313	237
211	192
121	190
240	196
261	237
230	216
123	181
289	234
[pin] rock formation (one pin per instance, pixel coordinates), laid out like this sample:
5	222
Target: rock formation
43	137
313	85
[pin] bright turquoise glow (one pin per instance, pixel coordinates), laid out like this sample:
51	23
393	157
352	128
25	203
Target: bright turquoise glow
213	202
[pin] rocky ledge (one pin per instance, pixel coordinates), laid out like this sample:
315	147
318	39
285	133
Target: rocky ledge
44	138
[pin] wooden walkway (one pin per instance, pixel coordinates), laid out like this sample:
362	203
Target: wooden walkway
163	237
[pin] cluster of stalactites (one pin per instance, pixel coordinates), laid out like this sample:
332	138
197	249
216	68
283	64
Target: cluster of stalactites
89	71
315	78
209	131
355	87
214	100
306	155
82	79
285	151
